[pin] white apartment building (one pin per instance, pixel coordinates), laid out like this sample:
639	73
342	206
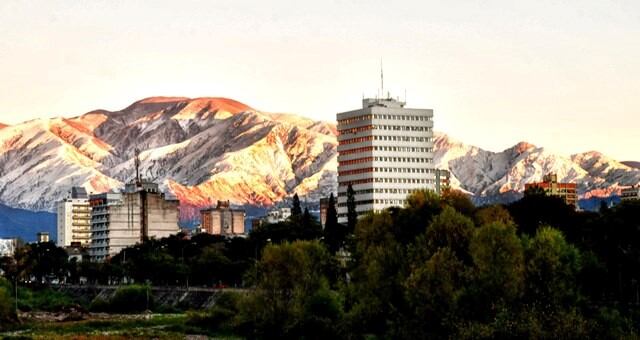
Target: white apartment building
120	220
278	215
631	193
74	219
385	151
8	246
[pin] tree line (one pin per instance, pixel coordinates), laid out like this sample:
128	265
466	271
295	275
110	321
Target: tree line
439	267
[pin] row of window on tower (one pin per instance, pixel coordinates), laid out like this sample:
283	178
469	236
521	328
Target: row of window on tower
388	180
385	128
386	148
377	201
403	138
384	116
387	159
379	191
386	138
384	169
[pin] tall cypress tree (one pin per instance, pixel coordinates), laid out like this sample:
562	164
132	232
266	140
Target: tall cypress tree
332	231
306	218
332	214
352	215
296	210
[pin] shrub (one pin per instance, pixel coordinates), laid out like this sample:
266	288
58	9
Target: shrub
131	299
99	305
45	300
128	299
7	307
218	318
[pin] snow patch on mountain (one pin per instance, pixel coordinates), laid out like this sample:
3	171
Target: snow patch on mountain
205	149
200	149
491	174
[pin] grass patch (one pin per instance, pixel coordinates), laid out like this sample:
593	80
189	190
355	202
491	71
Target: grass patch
165	326
45	300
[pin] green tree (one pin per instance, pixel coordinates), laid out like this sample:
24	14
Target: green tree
452	230
498	269
458	201
491	214
433	290
421	207
334	233
296	209
376	293
7	304
292	297
210	266
551	268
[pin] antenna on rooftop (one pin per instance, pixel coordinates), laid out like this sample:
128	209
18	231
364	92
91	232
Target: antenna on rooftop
137	165
381	79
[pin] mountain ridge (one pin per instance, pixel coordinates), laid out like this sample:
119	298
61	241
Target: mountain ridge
208	148
632	164
191	146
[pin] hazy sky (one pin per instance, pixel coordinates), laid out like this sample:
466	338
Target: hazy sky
560	74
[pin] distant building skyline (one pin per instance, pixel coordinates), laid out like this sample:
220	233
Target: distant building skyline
483	66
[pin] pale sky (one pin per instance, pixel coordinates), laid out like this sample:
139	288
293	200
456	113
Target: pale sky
559	74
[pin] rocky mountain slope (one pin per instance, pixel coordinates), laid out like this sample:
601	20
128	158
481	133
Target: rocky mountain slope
632	164
205	149
199	149
499	176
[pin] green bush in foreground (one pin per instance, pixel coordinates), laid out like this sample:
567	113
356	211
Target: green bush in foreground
7	304
44	300
218	318
127	299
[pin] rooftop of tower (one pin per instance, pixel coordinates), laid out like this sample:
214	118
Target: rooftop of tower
383	102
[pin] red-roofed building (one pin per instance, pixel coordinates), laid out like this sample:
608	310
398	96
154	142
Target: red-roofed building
551	186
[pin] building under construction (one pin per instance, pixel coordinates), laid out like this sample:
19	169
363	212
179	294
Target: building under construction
120	220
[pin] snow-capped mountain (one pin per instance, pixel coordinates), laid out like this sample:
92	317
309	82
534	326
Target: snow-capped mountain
200	149
499	176
206	149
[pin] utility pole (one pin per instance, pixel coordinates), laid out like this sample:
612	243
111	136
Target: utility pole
16	284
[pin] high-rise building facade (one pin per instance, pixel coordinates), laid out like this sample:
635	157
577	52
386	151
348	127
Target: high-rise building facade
385	151
120	220
74	219
222	220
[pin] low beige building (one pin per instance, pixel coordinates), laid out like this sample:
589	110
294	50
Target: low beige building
222	220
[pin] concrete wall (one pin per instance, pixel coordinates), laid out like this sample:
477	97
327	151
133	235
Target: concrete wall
163	297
